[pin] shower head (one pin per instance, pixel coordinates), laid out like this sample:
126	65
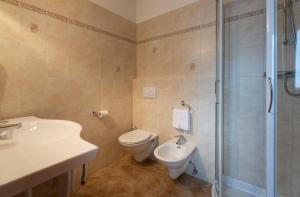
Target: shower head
288	17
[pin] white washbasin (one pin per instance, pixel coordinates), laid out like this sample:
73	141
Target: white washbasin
39	151
175	157
42	132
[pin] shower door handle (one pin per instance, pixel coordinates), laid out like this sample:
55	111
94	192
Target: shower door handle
271	94
216	86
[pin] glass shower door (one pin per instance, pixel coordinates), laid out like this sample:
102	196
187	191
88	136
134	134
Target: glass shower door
258	98
244	167
245	89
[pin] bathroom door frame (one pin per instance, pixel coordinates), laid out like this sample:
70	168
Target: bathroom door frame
271	98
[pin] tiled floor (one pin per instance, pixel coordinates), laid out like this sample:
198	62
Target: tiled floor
127	178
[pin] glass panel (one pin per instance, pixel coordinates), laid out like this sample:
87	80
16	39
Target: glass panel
288	99
244	99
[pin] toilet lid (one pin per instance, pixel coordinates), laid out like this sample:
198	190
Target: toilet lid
134	137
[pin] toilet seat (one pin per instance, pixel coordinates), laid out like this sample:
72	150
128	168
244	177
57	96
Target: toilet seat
135	137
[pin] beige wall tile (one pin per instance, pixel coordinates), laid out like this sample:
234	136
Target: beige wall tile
181	67
64	71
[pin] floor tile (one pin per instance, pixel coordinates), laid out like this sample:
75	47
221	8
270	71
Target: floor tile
128	178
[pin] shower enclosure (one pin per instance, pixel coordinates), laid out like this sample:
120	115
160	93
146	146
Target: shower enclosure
258	98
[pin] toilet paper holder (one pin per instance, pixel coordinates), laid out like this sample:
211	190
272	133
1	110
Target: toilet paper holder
100	114
184	104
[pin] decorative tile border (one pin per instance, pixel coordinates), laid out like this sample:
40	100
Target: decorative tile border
187	30
246	15
207	25
65	19
159	37
253	13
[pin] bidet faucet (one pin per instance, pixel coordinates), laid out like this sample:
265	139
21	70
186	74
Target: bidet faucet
181	140
4	126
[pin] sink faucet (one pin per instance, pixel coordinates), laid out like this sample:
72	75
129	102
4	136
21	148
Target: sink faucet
181	140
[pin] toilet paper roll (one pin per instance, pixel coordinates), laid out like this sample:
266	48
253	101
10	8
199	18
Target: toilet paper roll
101	114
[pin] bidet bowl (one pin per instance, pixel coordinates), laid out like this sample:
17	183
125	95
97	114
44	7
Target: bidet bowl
175	157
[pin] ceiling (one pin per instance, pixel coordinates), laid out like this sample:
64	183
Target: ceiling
141	10
124	8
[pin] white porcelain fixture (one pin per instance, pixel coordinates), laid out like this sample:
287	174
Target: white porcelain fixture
39	151
175	156
139	143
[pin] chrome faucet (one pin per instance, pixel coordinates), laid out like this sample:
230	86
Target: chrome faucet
181	140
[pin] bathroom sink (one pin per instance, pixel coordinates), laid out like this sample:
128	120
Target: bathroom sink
39	151
42	132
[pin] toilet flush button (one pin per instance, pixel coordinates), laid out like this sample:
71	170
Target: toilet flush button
149	92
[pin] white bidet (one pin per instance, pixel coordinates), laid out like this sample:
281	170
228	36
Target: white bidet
175	156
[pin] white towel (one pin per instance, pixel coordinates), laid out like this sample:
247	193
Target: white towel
181	119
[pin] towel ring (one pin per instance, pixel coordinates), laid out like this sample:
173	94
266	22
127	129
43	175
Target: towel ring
186	105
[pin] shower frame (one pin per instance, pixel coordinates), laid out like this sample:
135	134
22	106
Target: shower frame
271	99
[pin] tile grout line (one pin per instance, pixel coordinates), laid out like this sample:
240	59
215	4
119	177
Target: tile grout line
65	19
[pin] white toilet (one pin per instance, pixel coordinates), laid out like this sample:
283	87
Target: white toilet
139	143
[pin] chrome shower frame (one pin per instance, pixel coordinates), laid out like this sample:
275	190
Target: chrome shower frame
218	185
